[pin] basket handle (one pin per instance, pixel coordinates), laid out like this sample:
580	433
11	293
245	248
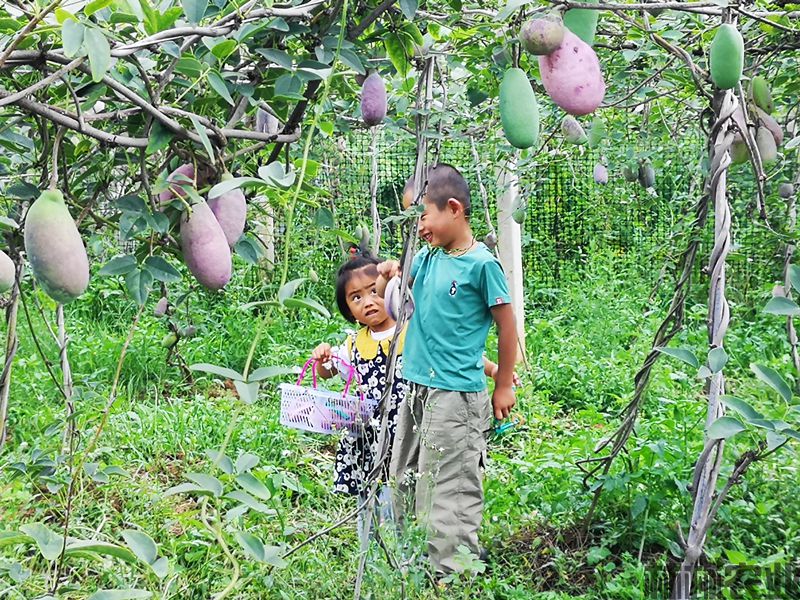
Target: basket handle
312	361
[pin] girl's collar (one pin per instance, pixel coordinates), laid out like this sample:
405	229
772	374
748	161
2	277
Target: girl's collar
367	346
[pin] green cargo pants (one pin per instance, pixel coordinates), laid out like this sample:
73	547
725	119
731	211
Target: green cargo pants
437	467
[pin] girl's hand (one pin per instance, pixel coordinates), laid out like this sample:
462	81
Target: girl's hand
322	353
389	269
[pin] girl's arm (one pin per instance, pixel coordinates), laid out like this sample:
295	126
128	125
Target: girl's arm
323	354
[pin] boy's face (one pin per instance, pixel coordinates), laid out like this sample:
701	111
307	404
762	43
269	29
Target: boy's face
440	227
364	302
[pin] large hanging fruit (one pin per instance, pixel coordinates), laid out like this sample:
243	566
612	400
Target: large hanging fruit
519	111
726	57
205	248
571	76
373	99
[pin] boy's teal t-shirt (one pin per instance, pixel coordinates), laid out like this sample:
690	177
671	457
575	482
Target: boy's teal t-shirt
447	333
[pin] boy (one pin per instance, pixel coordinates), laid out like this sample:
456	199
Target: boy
440	444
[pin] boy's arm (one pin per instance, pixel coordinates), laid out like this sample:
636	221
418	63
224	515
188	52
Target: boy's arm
387	270
503	399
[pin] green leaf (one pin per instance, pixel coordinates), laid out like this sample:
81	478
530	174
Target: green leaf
741	407
8	224
277	56
119	265
158	221
254	486
774	440
251	545
509	9
352	60
206	482
396	52
275	174
246	461
323	218
161	270
794	277
184	488
141	544
217	370
773	379
222	461
683	354
248	391
308	303
99	52
717	357
782	306
219	86
46	539
269	372
288	289
88	547
132	203
96	5
248	249
273	556
138	283
409	8
189	66
160	567
224	49
725	427
129	594
72	34
201	131
223	187
194	9
249	501
159	137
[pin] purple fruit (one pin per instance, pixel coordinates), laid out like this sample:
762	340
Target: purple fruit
373	100
770	123
766	145
178	178
205	248
786	190
571	76
230	209
266	122
600	174
542	36
55	248
161	307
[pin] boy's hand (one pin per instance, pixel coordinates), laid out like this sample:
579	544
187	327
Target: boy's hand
322	353
386	270
503	401
517	380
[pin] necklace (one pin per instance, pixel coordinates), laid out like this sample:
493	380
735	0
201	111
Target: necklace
459	251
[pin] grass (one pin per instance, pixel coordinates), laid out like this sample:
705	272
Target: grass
584	340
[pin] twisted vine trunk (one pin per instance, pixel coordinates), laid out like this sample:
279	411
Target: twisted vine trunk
12	343
708	464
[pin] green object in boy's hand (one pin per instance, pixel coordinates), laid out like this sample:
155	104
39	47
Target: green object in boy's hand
500	427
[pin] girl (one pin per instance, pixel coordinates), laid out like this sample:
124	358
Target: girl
368	351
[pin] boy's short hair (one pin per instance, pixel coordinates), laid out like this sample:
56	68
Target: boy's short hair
444	182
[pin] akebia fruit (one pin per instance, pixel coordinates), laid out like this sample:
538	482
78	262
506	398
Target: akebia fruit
600	174
543	35
770	123
766	145
572	131
519	211
161	307
582	22
188	332
647	175
230	209
169	340
726	57
266	122
630	172
786	190
373	99
205	248
519	110
761	95
571	76
55	249
7	273
739	152
490	240
177	180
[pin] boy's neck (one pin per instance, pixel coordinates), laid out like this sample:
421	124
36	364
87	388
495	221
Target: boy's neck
463	241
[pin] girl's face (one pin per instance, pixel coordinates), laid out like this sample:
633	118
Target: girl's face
364	302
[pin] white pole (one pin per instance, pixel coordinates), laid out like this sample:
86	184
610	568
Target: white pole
509	243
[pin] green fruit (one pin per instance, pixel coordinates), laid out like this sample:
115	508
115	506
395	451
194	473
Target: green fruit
630	172
759	92
519	111
519	210
597	133
55	248
572	131
582	22
312	276
647	176
169	340
739	152
8	273
726	57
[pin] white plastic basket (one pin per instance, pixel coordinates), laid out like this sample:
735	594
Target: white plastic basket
322	411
